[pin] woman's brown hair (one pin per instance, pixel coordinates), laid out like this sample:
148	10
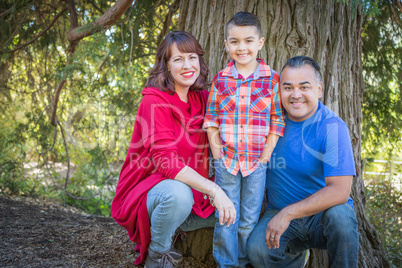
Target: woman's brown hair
160	77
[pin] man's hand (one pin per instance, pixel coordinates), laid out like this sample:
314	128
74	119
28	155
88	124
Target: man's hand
275	228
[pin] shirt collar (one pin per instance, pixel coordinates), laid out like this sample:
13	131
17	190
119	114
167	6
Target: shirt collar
263	70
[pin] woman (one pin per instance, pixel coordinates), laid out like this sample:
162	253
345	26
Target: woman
162	184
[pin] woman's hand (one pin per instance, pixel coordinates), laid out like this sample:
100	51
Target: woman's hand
225	207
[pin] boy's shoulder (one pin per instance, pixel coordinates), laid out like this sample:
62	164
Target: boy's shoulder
266	72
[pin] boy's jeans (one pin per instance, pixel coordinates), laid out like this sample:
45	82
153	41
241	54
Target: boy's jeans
169	205
246	193
334	229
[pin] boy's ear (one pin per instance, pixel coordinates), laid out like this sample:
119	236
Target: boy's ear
226	45
261	43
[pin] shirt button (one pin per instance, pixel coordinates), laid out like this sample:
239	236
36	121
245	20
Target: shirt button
241	140
242	97
241	126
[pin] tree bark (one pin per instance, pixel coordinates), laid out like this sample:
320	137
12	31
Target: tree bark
330	33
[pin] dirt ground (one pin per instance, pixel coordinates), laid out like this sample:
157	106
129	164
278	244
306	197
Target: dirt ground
37	233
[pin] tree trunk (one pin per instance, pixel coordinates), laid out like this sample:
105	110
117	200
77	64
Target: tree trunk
327	31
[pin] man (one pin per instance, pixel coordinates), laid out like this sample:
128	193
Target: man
308	181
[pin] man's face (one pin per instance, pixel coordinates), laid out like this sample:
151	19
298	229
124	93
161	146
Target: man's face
300	92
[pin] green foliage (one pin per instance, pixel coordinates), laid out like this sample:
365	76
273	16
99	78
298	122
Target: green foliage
384	206
97	104
382	70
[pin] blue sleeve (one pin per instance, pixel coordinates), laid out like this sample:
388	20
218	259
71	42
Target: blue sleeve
338	157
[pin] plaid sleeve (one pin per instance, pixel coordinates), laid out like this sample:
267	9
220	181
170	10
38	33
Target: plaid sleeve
212	115
277	120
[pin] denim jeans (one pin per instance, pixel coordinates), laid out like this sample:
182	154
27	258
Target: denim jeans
169	205
334	229
246	193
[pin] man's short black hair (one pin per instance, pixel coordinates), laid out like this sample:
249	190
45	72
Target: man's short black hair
244	19
300	61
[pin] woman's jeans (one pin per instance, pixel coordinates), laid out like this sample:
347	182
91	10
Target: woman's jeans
334	229
246	193
169	205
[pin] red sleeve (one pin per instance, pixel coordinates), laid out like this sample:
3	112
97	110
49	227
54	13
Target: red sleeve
158	135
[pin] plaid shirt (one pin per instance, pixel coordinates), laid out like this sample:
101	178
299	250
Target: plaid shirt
246	111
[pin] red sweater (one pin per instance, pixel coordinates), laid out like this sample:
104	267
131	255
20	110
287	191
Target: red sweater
167	136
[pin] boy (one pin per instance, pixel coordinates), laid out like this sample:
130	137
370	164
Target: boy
244	120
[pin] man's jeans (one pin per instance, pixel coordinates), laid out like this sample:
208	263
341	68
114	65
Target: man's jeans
169	205
246	193
334	229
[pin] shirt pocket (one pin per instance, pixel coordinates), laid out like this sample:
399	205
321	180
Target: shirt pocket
227	99
260	100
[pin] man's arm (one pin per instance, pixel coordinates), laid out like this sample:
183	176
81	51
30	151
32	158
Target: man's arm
336	192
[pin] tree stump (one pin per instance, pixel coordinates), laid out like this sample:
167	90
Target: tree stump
198	245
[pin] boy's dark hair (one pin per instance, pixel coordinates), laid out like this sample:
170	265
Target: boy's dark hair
244	19
300	61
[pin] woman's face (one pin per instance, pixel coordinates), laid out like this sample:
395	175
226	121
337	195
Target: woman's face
184	68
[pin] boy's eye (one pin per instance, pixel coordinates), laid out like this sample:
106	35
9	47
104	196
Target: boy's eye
250	41
233	42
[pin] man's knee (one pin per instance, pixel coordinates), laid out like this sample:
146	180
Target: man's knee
340	219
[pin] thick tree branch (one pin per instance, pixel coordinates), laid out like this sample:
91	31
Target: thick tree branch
41	33
109	18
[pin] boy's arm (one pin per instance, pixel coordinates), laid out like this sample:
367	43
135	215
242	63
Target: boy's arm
211	121
269	147
214	141
277	118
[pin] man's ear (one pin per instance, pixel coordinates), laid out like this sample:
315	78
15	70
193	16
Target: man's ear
320	90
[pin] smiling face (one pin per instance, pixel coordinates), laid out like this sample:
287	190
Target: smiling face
243	44
184	68
300	91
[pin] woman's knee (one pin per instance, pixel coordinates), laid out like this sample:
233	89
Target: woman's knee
171	195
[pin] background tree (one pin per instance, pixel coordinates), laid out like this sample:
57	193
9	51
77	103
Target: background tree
93	56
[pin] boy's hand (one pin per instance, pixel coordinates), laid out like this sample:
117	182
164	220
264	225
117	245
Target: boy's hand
264	159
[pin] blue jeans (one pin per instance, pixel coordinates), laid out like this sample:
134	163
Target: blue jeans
169	205
246	193
334	229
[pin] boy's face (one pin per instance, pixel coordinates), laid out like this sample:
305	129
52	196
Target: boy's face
243	44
